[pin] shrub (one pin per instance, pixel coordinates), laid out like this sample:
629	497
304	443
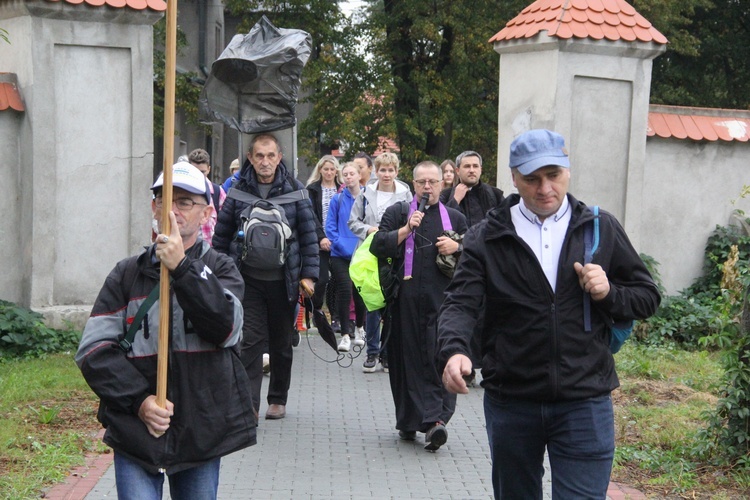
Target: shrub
701	309
727	436
24	334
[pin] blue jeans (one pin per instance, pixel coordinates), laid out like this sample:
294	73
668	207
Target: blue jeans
133	482
579	437
372	332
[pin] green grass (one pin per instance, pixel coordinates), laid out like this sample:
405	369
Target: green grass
699	370
35	447
664	392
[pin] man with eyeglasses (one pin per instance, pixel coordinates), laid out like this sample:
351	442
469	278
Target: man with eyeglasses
208	413
414	242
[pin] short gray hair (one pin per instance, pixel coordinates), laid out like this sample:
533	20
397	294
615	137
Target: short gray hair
465	154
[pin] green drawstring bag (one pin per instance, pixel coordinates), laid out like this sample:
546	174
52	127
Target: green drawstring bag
365	274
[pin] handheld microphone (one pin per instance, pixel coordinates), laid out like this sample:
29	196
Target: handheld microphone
423	202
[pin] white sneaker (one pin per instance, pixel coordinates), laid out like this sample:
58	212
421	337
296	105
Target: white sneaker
266	363
359	336
345	343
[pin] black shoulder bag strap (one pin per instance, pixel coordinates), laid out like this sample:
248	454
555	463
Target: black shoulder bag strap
126	344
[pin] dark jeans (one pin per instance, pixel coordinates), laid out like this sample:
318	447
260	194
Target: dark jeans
199	483
340	273
372	332
579	437
268	321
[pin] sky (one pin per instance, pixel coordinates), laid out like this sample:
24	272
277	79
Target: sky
351	5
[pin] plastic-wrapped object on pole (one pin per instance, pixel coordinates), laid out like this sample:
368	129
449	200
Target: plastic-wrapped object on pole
253	85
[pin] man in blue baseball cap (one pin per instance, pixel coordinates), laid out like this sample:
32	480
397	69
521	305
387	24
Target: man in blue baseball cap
546	362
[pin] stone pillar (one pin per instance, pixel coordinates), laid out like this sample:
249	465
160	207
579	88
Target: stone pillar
86	143
596	94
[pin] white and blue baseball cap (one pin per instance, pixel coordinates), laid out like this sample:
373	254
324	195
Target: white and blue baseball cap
187	177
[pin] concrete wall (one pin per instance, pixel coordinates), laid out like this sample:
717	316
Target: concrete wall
12	277
85	146
688	189
595	93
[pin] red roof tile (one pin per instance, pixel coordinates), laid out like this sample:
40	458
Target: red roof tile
156	5
597	19
386	145
10	97
698	124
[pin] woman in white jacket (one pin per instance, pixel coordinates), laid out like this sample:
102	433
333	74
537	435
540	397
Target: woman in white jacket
364	219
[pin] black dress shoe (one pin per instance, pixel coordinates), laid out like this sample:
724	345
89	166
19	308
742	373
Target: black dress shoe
435	437
407	435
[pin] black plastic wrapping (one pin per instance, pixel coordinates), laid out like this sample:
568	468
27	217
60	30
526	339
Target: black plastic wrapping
253	85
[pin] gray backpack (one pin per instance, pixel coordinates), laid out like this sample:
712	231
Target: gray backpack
264	230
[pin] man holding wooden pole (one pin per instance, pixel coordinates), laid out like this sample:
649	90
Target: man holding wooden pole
207	411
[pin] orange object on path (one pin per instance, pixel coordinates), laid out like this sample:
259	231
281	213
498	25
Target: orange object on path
301	319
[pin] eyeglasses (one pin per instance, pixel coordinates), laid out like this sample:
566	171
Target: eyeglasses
184	204
422	182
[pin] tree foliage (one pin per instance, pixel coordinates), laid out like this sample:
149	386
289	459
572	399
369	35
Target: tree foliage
442	72
187	86
707	62
422	73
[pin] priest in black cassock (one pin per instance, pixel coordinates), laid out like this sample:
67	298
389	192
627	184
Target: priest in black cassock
414	238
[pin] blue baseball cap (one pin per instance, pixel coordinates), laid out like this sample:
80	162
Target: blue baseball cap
539	148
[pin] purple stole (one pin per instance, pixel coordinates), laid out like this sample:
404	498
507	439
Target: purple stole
409	251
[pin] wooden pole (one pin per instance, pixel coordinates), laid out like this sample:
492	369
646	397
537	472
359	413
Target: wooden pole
169	111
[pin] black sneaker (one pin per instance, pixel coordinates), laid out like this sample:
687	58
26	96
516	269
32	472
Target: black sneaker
384	363
371	363
435	437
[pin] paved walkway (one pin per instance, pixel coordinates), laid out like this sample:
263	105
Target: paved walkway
338	441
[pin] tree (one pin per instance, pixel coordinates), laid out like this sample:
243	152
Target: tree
443	73
707	62
187	86
420	72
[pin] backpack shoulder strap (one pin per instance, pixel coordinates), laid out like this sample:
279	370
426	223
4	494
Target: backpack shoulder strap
300	194
236	194
590	245
364	207
216	195
404	211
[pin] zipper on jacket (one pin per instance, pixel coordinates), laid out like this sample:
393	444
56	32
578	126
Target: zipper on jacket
555	353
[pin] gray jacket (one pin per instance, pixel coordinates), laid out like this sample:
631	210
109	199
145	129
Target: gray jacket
364	214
